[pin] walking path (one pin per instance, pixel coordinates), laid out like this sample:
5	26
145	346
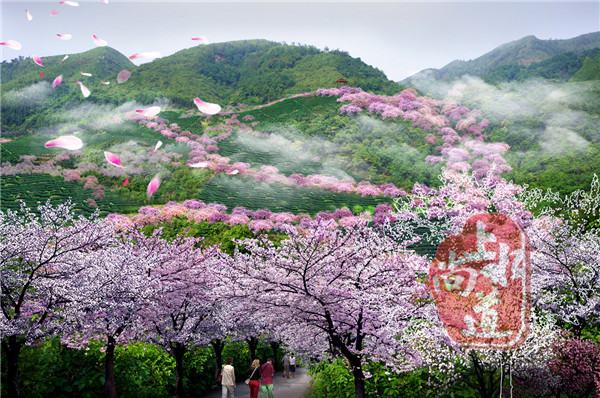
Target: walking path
282	388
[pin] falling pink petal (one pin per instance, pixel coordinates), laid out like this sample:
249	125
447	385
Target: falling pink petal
37	60
152	111
98	41
200	165
153	54
29	17
123	76
202	39
70	3
158	145
104	1
153	186
15	45
84	89
57	81
207	107
105	82
126	182
53	13
42	75
66	141
233	172
85	74
113	159
64	37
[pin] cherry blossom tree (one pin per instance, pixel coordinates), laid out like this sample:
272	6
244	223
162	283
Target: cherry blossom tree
566	256
112	291
577	364
39	254
485	370
352	291
180	313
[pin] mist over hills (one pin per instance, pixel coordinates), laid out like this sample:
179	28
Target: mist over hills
521	59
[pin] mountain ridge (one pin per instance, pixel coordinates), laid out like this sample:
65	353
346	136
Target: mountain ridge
524	51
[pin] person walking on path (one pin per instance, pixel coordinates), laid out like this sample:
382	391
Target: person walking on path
293	366
228	379
286	366
253	374
266	380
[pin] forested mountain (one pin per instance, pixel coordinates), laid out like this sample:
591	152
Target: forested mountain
519	59
248	71
101	62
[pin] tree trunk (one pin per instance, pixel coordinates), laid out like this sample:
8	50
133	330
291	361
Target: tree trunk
12	347
178	353
218	346
359	378
110	387
252	345
274	346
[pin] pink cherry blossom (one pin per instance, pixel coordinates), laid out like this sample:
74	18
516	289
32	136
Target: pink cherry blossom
15	45
123	76
153	185
150	55
84	90
57	81
112	159
67	142
99	42
207	107
37	60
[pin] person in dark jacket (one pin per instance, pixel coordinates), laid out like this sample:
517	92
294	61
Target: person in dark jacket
254	375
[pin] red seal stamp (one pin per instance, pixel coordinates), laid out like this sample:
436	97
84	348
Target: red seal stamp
481	282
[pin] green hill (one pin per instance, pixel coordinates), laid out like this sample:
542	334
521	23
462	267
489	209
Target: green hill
101	62
28	100
523	52
248	71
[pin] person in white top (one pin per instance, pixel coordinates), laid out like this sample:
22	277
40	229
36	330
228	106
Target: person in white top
228	379
293	365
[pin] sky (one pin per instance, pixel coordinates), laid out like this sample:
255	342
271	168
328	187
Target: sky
399	37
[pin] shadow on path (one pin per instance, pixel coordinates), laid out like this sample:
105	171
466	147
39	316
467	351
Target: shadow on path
282	387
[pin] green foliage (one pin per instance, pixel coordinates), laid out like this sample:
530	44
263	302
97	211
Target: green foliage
54	370
590	69
333	379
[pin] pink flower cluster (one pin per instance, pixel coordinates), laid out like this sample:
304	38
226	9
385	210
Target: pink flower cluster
262	220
